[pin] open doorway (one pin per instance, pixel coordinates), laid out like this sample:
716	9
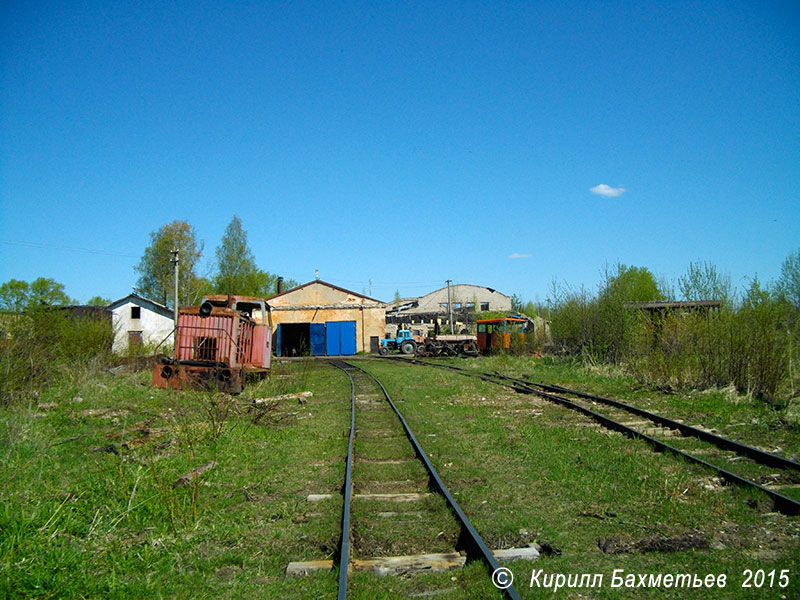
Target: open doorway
295	339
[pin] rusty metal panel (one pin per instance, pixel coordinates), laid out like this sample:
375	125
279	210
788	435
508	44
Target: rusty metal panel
177	376
260	356
206	338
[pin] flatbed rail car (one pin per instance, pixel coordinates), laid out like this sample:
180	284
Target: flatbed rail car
217	344
501	333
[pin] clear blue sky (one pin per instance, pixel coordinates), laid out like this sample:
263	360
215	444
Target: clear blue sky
403	143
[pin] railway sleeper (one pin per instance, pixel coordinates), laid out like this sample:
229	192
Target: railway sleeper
399	497
415	563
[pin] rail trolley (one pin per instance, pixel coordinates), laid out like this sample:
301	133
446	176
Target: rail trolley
501	333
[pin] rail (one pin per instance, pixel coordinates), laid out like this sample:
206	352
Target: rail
782	503
474	545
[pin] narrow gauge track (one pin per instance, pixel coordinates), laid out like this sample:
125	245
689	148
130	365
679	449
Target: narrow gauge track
583	402
364	385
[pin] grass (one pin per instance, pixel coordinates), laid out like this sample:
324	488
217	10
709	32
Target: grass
88	508
81	519
739	416
522	470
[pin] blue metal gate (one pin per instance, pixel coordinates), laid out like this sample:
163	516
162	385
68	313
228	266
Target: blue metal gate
316	332
340	338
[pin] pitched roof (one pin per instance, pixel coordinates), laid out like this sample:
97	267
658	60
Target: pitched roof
330	285
141	300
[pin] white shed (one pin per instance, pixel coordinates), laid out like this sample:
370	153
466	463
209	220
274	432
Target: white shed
139	321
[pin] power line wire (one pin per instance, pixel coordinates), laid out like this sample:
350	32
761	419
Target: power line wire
67	248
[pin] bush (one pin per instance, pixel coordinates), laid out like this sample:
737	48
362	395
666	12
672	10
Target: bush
37	345
753	346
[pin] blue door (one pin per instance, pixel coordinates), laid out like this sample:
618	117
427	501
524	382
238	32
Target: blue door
332	338
317	341
347	337
278	341
340	338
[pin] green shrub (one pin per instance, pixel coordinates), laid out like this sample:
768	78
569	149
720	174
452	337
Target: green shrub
37	345
752	345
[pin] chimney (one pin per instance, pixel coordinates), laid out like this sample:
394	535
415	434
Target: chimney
280	285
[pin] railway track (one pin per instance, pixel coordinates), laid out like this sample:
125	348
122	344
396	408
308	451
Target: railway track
386	472
656	430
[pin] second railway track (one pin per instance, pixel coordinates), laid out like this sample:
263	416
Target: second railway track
660	431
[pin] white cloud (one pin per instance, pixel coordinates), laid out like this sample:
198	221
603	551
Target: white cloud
515	255
607	190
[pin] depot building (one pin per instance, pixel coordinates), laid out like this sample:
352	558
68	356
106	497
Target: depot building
321	319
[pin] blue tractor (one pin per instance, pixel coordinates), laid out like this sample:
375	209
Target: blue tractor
404	342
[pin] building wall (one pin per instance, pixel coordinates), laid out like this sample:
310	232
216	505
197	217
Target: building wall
319	303
154	326
424	313
464	293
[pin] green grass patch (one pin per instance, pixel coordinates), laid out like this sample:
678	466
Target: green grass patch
89	506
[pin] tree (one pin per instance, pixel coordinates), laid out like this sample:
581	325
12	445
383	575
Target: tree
788	284
155	268
703	282
516	303
14	295
237	272
98	301
202	287
17	295
632	284
47	292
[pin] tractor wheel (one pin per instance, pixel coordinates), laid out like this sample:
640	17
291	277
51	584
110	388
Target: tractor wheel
383	351
408	347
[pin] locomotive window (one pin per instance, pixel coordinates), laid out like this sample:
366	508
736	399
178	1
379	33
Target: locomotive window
136	312
205	348
481	327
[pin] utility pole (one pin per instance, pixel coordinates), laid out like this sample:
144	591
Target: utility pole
450	306
175	261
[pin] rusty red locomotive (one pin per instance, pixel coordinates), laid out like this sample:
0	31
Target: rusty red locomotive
217	344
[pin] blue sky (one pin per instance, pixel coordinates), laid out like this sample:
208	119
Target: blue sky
401	143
